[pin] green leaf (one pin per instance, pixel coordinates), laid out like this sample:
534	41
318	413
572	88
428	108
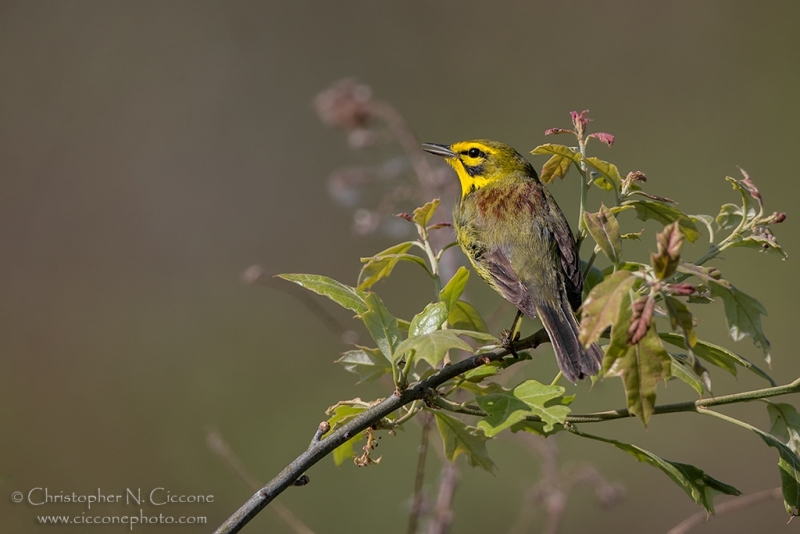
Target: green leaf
431	318
591	279
340	413
457	439
608	172
665	214
463	315
694	481
345	296
343	411
681	317
641	366
760	243
368	364
604	228
633	236
559	150
422	215
680	370
452	291
747	197
707	220
382	325
784	424
530	398
632	266
480	373
789	466
381	264
742	314
729	217
556	167
346	450
706	274
432	346
716	355
602	306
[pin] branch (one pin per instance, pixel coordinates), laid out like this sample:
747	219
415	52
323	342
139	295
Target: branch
220	447
730	506
443	511
610	415
423	390
416	506
371	417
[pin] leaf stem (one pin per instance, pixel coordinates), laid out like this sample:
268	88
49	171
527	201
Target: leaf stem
589	264
584	171
433	258
727	418
416	507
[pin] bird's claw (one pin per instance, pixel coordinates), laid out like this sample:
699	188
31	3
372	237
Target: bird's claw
507	340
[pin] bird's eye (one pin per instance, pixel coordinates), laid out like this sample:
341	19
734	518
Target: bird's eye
474	153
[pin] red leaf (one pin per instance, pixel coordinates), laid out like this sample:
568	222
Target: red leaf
606	138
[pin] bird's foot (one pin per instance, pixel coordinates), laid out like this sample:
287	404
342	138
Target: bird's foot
507	340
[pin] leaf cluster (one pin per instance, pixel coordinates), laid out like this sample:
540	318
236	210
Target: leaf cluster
642	312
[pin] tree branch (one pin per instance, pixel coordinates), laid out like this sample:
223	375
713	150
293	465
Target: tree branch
730	506
422	453
318	450
623	413
425	390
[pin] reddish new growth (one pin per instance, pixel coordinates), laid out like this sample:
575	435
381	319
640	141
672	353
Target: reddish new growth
683	289
642	316
606	138
558	131
580	121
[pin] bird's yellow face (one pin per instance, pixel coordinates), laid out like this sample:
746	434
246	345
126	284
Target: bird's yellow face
480	162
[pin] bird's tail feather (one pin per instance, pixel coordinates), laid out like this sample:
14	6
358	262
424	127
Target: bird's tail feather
562	327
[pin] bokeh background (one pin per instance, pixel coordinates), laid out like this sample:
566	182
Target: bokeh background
151	151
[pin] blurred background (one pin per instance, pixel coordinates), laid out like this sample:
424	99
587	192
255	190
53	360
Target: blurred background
150	152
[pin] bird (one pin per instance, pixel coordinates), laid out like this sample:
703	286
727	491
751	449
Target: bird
519	241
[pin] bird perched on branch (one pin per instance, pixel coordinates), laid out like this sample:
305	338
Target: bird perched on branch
520	243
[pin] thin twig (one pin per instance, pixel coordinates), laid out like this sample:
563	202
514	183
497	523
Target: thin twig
256	275
220	447
623	413
730	506
443	512
416	506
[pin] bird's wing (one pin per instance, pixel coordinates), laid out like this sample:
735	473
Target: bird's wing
504	278
568	253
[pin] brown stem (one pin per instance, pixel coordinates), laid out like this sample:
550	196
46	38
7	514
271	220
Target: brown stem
730	506
443	513
416	507
220	447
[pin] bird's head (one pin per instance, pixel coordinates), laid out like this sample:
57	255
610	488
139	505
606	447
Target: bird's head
481	161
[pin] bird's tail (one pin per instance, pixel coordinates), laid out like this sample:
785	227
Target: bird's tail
562	327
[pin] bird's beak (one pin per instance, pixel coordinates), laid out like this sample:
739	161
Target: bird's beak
438	150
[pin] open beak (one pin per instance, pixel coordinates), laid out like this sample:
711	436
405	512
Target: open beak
438	150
